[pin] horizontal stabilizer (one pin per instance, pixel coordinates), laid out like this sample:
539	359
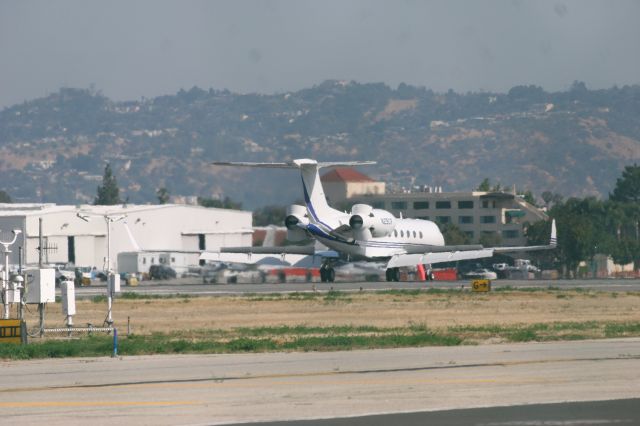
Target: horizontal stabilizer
306	250
295	164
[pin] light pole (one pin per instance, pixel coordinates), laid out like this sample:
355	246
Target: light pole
5	273
109	219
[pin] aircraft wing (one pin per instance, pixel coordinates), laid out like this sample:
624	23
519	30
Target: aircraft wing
440	254
302	256
399	260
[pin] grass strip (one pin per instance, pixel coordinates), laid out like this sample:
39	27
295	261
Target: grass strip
305	338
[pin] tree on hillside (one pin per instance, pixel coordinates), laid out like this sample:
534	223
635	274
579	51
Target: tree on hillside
627	188
163	195
108	192
4	197
269	215
485	185
227	203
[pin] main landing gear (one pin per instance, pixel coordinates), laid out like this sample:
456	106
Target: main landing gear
393	274
327	273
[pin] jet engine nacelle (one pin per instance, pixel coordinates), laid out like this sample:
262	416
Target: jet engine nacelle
379	222
296	221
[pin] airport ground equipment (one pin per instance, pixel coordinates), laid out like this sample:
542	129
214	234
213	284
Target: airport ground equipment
113	280
7	286
68	293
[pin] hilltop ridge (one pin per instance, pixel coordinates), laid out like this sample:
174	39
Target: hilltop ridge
53	149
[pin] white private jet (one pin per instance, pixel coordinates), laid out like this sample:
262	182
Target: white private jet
363	234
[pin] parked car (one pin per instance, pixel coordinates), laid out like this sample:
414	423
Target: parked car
483	274
161	272
64	275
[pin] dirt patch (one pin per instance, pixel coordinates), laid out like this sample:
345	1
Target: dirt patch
437	311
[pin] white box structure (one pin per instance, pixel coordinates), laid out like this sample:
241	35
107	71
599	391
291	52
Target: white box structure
41	286
114	284
68	292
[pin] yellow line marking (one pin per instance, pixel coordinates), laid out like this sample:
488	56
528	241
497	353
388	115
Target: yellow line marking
47	404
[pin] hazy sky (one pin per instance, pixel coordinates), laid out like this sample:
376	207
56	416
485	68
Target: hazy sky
128	49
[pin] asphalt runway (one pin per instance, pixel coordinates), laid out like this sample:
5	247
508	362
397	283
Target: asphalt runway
592	413
193	286
335	388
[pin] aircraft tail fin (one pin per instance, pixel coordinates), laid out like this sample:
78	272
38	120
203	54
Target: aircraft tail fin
314	196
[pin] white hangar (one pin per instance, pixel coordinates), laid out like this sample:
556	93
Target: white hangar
78	234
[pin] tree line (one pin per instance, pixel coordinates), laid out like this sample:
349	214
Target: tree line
590	226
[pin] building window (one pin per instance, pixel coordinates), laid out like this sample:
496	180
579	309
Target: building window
443	219
469	234
398	205
423	217
487	219
71	249
201	242
443	204
510	233
465	219
465	204
485	204
420	205
378	204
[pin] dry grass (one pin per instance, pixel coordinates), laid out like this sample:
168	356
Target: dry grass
437	311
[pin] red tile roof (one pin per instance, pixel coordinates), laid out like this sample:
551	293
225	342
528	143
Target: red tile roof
345	174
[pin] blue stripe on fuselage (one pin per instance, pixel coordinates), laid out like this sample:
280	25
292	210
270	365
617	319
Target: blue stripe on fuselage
314	215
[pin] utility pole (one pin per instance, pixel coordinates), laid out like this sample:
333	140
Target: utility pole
5	272
40	250
109	219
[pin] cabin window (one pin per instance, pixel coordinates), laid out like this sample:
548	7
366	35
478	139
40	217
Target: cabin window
443	204
144	260
420	234
414	234
402	234
420	205
395	233
467	204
